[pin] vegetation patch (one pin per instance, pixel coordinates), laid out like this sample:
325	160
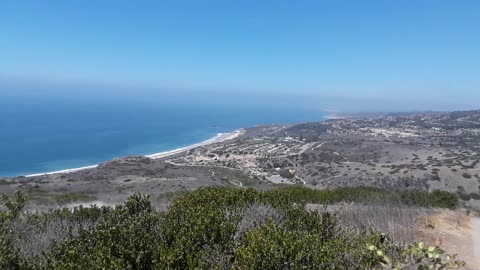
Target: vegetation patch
468	196
286	174
301	194
210	228
72	197
4	182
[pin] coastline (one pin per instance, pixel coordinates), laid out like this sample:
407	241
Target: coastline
220	137
333	117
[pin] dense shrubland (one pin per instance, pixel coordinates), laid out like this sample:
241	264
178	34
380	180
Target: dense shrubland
212	228
437	198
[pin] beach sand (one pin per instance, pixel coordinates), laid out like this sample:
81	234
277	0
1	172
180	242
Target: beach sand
63	171
220	137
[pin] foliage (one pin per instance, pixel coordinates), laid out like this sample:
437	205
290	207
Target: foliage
124	240
468	196
14	203
211	228
9	258
301	194
72	197
286	174
420	257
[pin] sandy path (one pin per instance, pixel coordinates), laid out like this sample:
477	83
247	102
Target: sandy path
476	237
456	233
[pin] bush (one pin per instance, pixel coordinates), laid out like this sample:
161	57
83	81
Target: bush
468	196
301	194
286	174
9	257
211	228
442	199
72	197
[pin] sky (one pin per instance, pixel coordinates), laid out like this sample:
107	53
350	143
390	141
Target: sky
400	54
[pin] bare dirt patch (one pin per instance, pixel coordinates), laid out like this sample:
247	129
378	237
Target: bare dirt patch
455	232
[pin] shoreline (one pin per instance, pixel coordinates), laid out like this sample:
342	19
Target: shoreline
333	117
220	137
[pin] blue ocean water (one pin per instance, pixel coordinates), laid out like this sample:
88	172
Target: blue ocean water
42	134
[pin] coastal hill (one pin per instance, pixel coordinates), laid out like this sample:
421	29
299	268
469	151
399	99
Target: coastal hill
397	191
420	151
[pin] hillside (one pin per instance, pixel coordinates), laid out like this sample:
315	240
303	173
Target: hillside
366	192
402	151
227	228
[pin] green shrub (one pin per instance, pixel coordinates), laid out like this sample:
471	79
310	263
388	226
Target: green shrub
72	197
210	228
286	174
124	240
301	194
442	199
9	257
468	196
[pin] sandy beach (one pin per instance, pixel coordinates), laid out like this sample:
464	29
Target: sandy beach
63	171
220	137
333	117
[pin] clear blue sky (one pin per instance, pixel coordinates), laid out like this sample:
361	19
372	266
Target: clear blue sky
383	50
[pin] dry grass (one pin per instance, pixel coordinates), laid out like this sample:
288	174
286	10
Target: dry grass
256	215
32	238
453	231
398	221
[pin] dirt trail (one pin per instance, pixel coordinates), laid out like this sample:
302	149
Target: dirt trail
455	232
476	237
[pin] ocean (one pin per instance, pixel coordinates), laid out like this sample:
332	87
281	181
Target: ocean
43	134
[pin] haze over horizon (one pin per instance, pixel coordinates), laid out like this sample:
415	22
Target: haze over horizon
368	56
250	134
